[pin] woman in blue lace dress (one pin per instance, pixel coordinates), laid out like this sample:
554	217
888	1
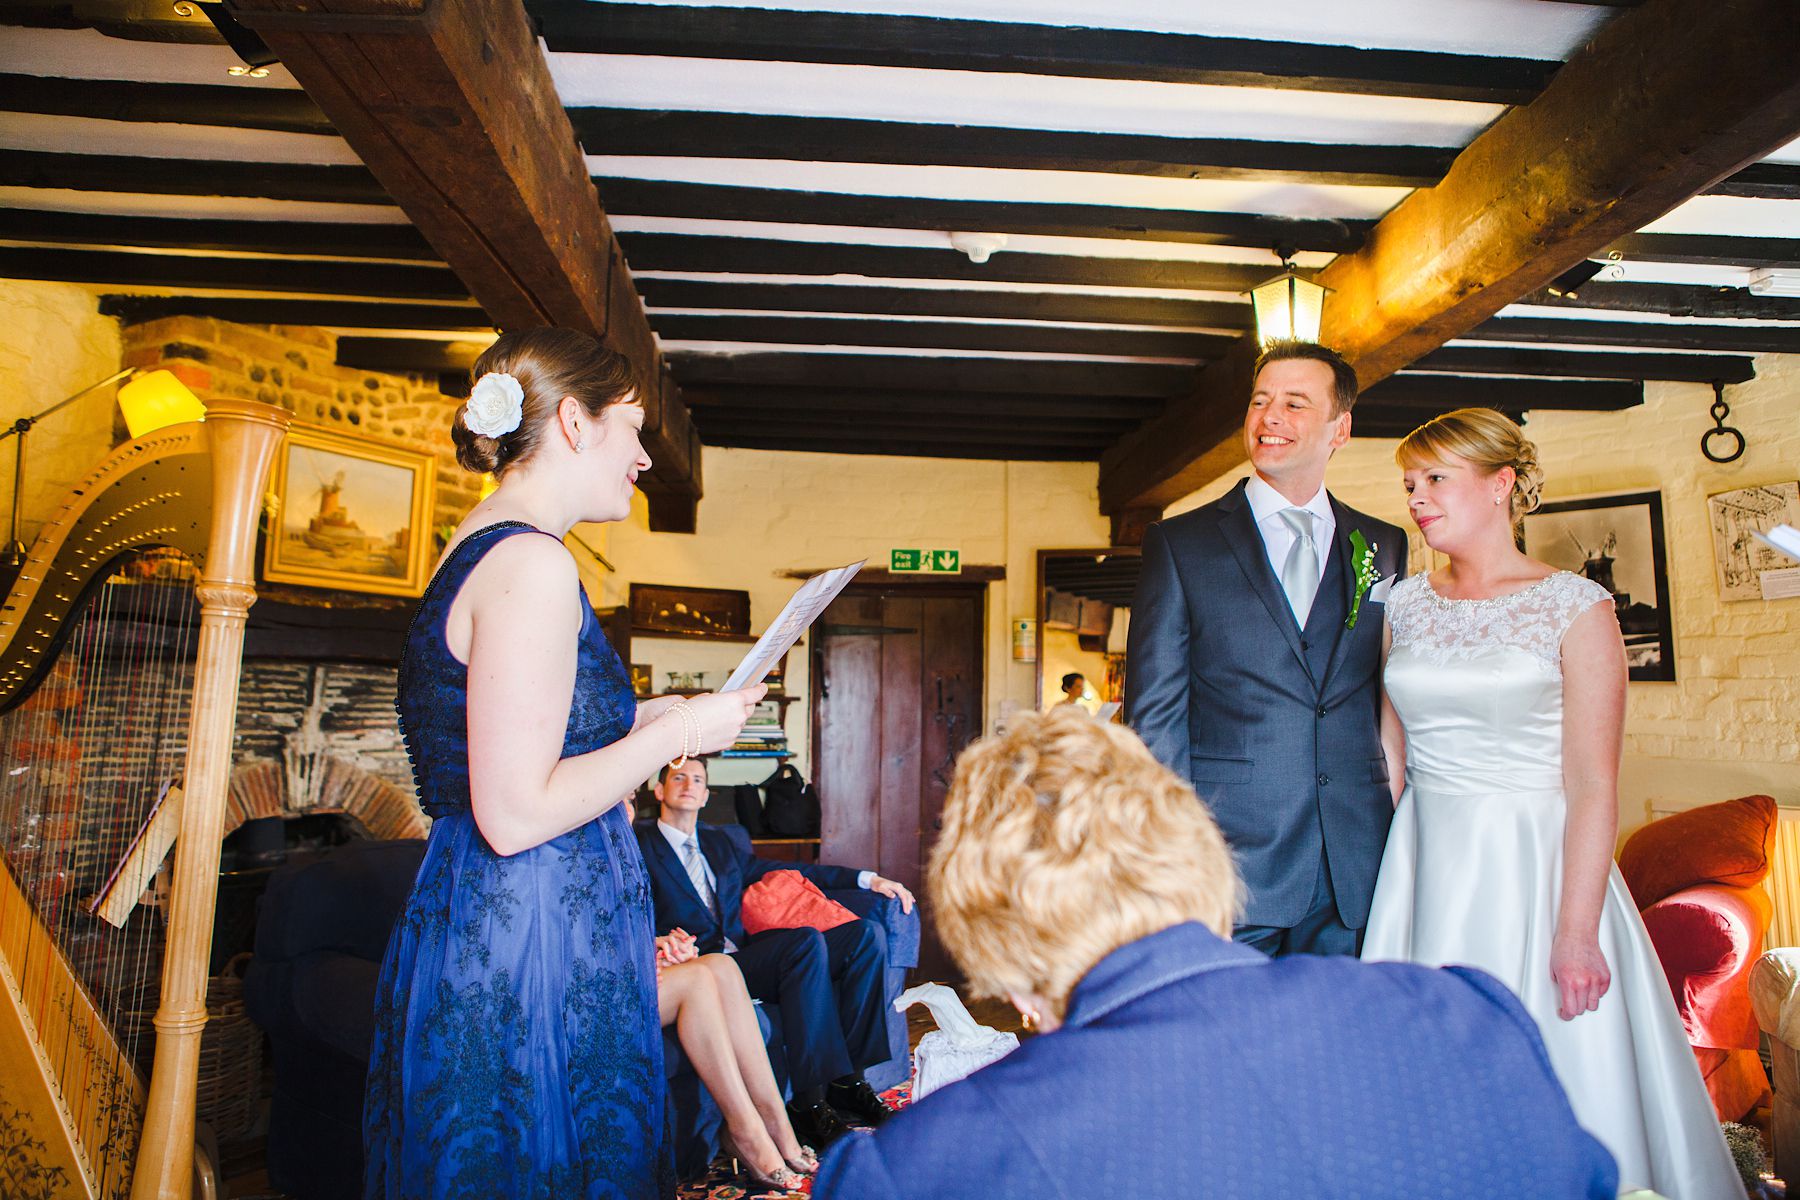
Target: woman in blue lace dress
517	1050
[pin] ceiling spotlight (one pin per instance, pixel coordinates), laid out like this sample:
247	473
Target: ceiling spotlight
978	246
1566	285
248	72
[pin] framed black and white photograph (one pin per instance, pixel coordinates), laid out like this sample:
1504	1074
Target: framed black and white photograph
1616	541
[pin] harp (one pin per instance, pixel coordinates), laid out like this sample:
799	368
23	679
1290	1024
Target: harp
117	707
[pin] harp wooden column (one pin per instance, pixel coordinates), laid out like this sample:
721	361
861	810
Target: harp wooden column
245	437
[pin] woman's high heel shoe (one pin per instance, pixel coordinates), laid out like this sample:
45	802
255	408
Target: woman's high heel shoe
805	1162
783	1179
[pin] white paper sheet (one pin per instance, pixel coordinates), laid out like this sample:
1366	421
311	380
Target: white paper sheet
801	611
1784	538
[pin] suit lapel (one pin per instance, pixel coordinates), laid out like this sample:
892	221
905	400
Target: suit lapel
1340	545
1241	534
673	866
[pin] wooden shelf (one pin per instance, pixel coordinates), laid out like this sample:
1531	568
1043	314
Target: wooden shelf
754	754
781	698
695	635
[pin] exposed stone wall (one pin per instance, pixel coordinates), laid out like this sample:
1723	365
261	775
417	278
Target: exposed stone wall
1730	724
356	719
296	367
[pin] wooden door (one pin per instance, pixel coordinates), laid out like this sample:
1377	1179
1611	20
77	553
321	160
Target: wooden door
896	695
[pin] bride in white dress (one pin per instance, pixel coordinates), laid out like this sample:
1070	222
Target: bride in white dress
1505	685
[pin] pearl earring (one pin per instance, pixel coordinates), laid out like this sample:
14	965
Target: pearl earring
1497	499
579	444
1029	1018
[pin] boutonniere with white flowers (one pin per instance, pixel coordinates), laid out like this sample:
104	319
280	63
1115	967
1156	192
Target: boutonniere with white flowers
1362	561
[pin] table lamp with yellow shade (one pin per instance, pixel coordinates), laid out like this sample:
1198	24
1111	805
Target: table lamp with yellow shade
149	399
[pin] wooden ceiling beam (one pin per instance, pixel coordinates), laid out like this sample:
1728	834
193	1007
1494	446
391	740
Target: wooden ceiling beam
168	177
453	110
1012	405
890	447
395	281
901	301
1712	250
780	256
948	373
582	26
240	237
280	109
1638	121
346	313
939	335
1442	392
1659	335
1588	364
1676	300
840	139
676	198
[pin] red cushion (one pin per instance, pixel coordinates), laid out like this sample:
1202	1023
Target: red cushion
1727	843
789	900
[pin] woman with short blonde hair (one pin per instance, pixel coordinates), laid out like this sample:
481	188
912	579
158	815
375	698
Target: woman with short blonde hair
1064	840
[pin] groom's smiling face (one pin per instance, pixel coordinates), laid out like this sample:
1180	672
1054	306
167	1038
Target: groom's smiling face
1292	428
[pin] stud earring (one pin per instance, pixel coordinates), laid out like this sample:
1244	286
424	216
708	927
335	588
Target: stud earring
1497	499
579	444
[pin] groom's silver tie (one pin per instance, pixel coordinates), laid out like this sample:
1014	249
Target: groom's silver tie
696	869
1300	573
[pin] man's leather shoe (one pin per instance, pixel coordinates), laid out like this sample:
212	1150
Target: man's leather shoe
858	1100
816	1125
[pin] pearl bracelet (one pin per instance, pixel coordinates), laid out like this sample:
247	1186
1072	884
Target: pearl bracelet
690	731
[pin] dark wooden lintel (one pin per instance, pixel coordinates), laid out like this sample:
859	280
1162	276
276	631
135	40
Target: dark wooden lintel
393	280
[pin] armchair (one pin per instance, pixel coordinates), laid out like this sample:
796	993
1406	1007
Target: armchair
1696	877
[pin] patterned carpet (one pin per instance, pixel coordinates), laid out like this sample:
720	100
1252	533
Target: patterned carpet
721	1184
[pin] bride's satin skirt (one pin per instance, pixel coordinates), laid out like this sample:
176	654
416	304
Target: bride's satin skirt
1476	879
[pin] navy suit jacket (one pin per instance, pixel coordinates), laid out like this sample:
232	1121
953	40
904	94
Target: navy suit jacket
678	905
1277	728
1190	1066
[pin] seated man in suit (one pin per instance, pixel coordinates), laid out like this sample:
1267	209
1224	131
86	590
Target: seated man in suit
828	985
1080	879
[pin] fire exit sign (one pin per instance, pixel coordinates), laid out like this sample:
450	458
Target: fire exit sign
925	562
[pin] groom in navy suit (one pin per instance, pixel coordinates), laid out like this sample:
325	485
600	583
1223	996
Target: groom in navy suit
1254	658
827	985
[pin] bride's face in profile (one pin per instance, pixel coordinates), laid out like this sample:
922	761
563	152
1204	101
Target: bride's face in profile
1453	502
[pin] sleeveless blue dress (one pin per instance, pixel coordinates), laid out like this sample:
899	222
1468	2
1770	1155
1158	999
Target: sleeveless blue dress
517	1050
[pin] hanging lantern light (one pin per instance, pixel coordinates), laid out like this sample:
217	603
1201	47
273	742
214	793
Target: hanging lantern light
1288	307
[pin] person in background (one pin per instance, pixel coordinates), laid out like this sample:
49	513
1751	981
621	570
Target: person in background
828	985
1086	884
1074	688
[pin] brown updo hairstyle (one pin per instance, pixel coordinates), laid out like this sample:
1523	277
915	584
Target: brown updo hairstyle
549	363
1488	440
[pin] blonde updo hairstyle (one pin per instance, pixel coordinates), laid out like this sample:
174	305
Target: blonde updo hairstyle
1486	439
549	363
1064	839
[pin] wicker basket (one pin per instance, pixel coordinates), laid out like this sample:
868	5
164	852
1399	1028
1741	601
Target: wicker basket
230	1075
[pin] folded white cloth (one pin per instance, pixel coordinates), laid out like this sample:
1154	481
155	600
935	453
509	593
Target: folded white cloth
959	1046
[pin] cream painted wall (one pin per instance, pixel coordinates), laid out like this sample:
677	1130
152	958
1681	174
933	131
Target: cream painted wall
765	512
54	342
1730	724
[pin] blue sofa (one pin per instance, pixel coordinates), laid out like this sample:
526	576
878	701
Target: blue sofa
321	931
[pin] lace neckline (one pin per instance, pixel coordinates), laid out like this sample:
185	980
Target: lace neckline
1431	590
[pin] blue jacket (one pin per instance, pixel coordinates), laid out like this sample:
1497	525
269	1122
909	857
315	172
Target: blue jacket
1190	1066
1277	727
678	905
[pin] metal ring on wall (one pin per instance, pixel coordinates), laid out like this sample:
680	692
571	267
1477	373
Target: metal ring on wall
1720	410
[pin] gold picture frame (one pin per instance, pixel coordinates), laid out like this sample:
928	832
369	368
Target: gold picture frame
350	514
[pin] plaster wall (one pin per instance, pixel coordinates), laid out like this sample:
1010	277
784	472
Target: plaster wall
53	343
766	512
1730	723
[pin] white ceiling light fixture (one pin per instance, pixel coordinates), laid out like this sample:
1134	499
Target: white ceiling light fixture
1775	281
978	246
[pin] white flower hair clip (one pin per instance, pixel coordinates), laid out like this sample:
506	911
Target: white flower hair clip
496	405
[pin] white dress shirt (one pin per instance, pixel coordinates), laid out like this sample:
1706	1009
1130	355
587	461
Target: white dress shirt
1267	505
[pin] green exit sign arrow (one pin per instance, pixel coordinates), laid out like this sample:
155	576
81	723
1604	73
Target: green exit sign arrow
919	561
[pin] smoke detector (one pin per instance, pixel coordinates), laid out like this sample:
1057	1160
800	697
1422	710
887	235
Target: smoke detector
978	246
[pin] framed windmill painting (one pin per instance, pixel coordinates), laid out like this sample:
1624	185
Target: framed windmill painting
350	514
